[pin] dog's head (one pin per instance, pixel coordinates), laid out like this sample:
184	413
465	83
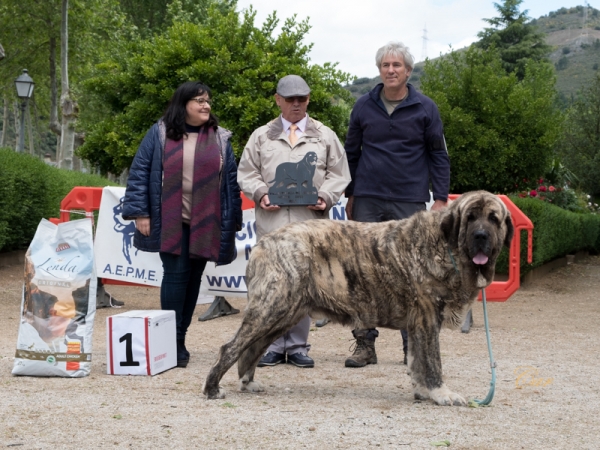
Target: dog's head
311	158
476	226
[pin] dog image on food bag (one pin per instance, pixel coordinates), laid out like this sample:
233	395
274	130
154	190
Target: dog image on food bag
58	302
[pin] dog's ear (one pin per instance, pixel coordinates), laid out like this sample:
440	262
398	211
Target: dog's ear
451	227
510	230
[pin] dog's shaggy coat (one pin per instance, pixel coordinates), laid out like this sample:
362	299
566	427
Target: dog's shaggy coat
418	274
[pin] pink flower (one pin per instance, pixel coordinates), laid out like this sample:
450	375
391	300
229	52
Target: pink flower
541	181
552	188
533	193
542	188
522	195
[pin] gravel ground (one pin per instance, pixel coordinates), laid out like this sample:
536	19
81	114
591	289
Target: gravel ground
545	340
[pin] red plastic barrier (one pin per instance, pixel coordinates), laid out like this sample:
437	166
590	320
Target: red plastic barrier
80	197
500	291
88	199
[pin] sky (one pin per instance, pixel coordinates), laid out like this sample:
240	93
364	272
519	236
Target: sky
349	32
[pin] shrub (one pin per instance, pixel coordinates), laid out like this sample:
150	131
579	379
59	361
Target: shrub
557	232
31	190
563	197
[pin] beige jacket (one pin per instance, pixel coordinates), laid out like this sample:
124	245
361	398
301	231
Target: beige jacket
268	147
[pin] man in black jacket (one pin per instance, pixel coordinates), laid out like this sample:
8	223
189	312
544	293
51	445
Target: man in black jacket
396	149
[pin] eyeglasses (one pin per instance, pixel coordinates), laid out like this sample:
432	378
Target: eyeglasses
202	101
302	99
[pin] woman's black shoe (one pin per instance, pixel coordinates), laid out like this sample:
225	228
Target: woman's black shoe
183	356
182	362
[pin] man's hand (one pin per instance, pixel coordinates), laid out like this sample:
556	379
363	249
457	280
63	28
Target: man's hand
438	204
266	204
143	225
320	206
349	205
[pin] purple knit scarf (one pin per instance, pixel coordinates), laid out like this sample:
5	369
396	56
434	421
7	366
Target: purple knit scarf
205	221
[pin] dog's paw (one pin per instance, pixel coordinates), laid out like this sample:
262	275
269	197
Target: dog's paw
445	397
220	394
251	386
420	392
213	394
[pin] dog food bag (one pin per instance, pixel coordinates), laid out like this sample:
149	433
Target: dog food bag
58	302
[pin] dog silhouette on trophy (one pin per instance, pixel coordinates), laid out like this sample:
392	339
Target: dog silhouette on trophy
293	183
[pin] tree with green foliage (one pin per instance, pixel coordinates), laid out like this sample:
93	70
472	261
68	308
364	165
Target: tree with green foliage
517	40
499	129
579	146
238	61
154	16
30	31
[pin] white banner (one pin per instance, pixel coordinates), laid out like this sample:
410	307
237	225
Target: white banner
116	257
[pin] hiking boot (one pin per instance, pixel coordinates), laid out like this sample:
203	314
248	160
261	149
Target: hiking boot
271	359
364	351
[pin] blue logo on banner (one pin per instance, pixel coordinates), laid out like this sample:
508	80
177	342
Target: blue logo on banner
127	230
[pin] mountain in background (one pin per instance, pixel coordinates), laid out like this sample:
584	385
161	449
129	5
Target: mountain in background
574	36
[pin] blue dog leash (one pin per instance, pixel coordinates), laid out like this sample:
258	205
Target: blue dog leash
488	399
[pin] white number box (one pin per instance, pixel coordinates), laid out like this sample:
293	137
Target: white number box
141	342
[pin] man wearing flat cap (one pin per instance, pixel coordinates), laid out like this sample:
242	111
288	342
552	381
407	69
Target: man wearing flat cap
288	139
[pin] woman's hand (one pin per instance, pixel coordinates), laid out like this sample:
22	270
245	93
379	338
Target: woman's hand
143	225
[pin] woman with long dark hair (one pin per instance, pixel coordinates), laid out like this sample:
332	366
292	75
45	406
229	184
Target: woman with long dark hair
182	192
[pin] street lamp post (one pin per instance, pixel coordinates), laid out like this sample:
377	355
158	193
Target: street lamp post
24	85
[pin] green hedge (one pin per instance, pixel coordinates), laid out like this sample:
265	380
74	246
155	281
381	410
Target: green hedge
31	190
556	233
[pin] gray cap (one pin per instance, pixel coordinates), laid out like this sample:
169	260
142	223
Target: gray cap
292	86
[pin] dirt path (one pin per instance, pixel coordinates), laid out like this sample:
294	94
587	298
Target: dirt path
545	340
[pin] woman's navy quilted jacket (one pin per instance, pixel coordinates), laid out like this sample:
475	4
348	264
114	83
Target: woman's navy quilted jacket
144	192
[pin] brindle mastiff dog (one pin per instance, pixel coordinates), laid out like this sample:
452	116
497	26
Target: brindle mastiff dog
418	274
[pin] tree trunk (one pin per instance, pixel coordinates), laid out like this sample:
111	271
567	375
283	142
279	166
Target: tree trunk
69	108
4	123
54	123
38	133
30	132
17	124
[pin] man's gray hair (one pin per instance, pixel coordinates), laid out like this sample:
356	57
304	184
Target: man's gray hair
395	48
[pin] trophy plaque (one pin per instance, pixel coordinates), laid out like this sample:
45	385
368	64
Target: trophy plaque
293	183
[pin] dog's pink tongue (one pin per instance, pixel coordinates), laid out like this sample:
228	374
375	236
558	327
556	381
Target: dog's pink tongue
480	259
